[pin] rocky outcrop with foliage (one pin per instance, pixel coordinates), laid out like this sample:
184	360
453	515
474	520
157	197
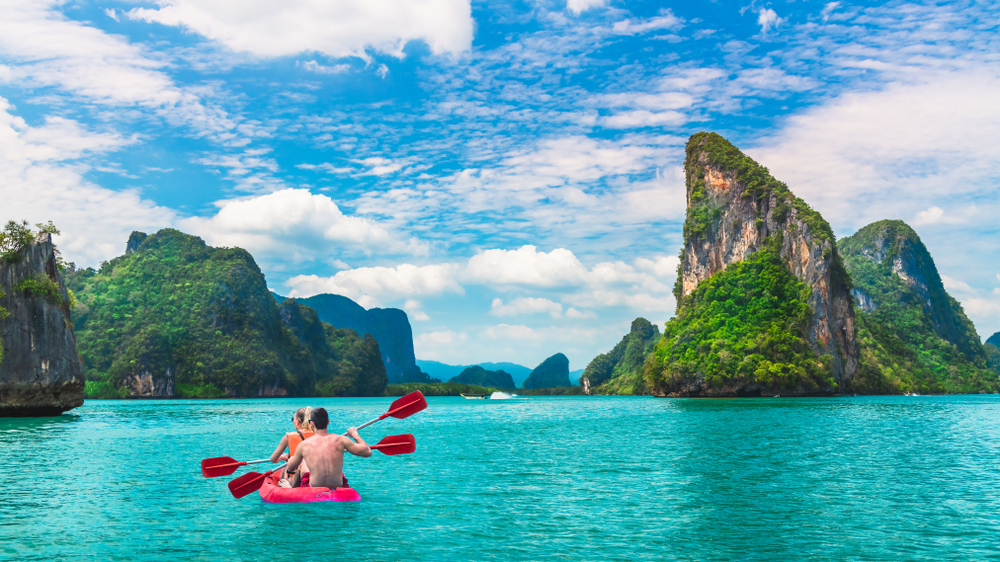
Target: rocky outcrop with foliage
914	336
479	376
763	298
389	326
992	349
40	370
552	372
174	317
619	371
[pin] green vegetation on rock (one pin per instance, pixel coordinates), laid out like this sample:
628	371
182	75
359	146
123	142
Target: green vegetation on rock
552	372
174	309
742	328
477	375
912	335
620	370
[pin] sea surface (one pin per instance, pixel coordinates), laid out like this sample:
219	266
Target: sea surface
533	478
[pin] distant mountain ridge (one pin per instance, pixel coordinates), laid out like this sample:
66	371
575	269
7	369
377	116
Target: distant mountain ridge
389	326
444	371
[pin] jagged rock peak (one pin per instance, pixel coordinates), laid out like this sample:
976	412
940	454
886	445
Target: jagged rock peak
134	241
40	370
734	207
894	245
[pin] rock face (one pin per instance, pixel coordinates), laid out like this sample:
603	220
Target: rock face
915	336
389	326
552	372
479	376
40	370
623	363
174	317
894	248
734	206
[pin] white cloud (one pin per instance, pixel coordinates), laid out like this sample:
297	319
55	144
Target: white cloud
438	345
313	66
527	266
414	310
643	118
578	6
580	314
45	49
526	305
934	140
634	27
509	332
293	224
42	179
828	9
371	286
336	28
768	19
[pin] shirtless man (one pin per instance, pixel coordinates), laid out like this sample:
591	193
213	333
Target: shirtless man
324	454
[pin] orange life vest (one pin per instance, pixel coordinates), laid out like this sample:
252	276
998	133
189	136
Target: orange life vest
295	438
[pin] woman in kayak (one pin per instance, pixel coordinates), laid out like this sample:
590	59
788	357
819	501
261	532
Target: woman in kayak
292	440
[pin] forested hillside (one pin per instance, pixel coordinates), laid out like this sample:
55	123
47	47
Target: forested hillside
175	317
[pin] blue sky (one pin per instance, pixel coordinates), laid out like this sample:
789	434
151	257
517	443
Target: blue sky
509	173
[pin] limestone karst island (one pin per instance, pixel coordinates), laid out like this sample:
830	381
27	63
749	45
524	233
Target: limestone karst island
442	280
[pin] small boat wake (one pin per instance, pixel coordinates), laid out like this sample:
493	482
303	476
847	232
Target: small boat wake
501	396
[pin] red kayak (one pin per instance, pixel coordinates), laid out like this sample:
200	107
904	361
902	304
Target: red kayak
270	492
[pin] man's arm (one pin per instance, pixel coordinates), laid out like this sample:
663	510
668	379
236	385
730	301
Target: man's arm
276	455
359	449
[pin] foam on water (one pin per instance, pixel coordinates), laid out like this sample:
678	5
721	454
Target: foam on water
501	396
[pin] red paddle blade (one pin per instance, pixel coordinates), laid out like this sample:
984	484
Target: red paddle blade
219	466
247	484
407	405
396	445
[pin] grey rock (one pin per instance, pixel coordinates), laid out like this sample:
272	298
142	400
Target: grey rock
40	371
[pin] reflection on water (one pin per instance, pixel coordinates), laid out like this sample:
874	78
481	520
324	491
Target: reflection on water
574	478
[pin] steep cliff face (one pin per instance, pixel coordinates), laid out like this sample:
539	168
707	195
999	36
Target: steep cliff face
734	208
174	317
619	371
389	326
914	336
40	370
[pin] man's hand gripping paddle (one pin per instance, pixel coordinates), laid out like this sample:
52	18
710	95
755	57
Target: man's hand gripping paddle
392	445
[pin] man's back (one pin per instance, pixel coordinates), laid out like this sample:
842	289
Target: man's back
325	456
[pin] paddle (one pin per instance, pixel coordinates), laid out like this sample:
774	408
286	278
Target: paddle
402	408
399	409
224	466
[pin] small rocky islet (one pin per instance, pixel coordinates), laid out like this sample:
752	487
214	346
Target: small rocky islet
768	302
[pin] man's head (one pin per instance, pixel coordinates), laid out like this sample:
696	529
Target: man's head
320	418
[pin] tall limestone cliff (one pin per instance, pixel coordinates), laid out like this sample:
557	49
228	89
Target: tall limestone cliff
40	370
914	336
174	317
736	211
389	326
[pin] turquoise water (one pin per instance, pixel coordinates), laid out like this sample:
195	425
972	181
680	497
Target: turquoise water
537	478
